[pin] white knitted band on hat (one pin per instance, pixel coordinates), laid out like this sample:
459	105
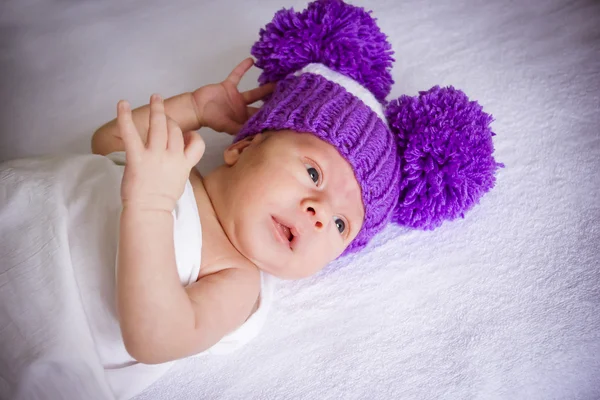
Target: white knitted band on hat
347	83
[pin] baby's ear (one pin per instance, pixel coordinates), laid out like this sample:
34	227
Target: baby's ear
233	152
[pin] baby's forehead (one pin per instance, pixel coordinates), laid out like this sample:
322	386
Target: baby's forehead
319	146
346	191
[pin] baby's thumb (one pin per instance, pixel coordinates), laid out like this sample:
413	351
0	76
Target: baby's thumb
194	147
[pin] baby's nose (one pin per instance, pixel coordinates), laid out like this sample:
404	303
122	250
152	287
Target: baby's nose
316	214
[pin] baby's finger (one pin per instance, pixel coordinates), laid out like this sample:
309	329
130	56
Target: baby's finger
157	131
175	142
129	133
238	72
258	93
194	147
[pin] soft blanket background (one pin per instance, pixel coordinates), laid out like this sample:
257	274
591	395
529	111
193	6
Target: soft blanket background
504	304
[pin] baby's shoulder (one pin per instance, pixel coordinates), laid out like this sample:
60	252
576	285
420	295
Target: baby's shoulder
229	264
238	281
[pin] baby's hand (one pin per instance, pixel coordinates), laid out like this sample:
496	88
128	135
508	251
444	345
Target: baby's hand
155	173
222	107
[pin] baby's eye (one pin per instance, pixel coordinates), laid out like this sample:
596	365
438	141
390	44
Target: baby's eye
313	173
340	224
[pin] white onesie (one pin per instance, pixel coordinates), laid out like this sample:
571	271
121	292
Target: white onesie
58	244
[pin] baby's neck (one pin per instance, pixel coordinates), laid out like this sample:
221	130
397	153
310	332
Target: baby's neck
210	193
214	184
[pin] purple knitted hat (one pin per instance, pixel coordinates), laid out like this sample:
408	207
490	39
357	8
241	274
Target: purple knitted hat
418	160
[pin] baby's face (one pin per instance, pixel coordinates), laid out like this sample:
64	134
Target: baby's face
293	203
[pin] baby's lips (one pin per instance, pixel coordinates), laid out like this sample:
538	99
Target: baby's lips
294	231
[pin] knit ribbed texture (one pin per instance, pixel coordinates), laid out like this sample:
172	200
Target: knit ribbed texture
312	104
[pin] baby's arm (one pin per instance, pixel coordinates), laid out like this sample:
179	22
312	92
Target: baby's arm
219	106
161	320
181	108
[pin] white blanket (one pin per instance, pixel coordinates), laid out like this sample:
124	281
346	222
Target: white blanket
58	249
501	305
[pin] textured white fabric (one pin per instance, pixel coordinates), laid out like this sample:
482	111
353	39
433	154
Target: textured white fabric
347	83
501	305
58	235
59	331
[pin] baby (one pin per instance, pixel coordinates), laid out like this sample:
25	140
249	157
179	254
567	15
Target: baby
283	203
315	173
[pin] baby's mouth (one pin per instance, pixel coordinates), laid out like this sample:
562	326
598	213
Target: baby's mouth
285	231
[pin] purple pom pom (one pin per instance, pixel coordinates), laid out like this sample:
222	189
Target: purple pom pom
343	37
445	147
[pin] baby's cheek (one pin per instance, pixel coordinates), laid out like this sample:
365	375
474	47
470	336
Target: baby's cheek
331	249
